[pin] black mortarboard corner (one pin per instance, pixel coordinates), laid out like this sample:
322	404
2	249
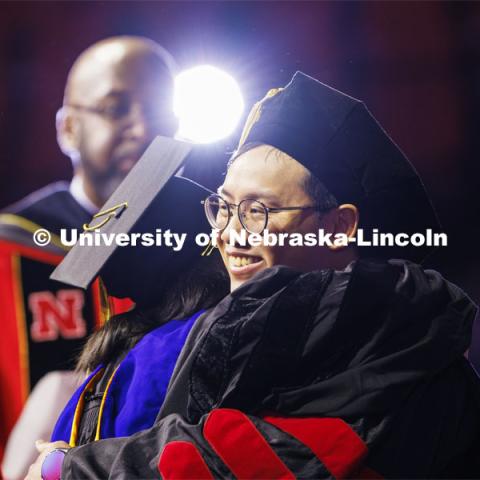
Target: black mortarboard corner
151	197
335	137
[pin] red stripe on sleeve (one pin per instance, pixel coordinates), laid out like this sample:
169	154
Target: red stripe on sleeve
242	447
335	444
182	461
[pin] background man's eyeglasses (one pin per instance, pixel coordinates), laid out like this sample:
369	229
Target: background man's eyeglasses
123	110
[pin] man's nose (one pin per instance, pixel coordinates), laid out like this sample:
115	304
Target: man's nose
139	126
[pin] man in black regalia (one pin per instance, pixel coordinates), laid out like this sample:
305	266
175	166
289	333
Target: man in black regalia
323	362
118	96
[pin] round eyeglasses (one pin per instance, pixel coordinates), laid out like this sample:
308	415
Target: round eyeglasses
253	214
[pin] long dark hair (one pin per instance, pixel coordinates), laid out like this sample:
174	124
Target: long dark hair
201	286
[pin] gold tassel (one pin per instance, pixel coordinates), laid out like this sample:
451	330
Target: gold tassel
208	249
105	305
255	114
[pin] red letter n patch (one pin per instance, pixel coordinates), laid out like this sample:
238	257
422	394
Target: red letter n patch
55	315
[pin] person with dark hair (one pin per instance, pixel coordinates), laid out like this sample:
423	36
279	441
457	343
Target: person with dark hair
128	362
324	361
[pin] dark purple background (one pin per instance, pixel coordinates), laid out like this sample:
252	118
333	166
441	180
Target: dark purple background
416	65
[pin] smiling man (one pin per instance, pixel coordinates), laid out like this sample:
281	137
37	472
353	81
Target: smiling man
323	362
297	203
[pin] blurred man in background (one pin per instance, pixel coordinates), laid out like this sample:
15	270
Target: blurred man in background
118	97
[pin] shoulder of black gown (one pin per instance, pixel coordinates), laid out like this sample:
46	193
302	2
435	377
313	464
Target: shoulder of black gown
52	207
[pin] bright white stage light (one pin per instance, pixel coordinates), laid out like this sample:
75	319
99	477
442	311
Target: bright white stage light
208	104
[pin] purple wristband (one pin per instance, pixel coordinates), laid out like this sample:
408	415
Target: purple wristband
52	464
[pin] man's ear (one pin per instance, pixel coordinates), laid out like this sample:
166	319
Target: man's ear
345	221
67	132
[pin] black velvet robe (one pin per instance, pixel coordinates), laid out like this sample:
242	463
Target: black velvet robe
379	346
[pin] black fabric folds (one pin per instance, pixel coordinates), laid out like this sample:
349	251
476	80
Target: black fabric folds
379	345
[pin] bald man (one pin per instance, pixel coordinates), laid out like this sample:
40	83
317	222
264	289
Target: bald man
118	96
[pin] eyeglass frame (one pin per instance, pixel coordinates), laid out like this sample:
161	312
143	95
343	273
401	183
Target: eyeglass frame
319	208
102	111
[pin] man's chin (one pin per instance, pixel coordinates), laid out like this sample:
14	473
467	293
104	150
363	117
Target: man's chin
126	164
237	281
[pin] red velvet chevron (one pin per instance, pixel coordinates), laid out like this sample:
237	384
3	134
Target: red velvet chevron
242	447
245	451
334	442
182	461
